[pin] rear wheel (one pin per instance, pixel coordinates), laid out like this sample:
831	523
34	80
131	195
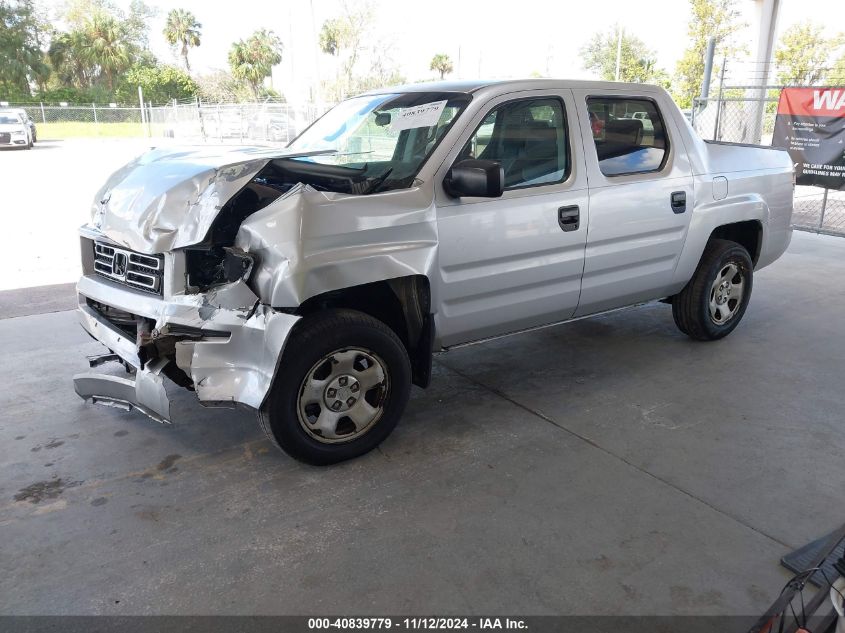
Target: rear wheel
342	385
713	303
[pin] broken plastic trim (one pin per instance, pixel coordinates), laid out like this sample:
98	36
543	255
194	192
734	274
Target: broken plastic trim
145	392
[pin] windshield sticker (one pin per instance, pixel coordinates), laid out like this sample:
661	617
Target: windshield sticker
424	115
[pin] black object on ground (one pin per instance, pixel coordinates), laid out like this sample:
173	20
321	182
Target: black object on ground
803	557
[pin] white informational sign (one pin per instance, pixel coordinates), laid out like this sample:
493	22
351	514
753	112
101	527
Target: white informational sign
424	115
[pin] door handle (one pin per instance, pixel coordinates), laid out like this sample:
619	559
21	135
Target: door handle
569	218
679	201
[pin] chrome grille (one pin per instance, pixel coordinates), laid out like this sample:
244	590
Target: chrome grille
143	272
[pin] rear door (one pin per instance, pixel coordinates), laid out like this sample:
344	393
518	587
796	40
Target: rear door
641	198
514	262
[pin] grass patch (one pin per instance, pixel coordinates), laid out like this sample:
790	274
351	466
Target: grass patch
86	129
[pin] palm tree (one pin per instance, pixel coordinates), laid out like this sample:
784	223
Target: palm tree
442	63
252	60
66	58
106	46
182	29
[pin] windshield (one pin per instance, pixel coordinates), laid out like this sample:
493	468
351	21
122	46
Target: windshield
382	140
7	119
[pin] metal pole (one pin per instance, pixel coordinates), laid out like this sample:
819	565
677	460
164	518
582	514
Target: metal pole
619	52
141	106
719	102
767	17
824	206
43	116
199	117
219	126
708	67
96	123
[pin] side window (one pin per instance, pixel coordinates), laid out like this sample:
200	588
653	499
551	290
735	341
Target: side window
628	133
528	137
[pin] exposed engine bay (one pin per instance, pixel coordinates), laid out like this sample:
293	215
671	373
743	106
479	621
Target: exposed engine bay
215	260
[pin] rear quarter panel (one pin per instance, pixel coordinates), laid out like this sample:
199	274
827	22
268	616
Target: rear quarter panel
759	187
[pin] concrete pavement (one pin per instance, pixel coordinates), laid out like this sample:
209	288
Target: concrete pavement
608	466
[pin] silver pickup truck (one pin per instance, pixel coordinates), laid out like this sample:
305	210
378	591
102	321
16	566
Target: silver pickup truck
314	283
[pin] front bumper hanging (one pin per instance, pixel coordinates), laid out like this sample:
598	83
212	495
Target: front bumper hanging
231	357
144	392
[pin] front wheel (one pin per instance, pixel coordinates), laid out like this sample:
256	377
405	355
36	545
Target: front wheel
713	303
342	385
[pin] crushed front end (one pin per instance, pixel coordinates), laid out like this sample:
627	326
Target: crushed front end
167	303
222	342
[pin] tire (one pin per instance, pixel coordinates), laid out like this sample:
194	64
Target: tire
708	308
326	357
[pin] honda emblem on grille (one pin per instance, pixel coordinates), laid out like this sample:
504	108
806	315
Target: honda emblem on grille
119	264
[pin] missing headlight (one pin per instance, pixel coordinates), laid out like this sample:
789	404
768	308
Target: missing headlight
217	265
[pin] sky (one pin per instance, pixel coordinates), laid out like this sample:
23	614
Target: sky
484	38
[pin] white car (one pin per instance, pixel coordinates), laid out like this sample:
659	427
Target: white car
14	132
33	132
645	119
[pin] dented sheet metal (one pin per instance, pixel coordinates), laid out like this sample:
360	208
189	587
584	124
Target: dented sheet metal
308	242
240	369
234	363
168	198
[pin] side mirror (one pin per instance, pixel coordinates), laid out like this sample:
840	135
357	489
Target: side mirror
475	178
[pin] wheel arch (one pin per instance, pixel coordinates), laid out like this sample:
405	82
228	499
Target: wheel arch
402	303
746	233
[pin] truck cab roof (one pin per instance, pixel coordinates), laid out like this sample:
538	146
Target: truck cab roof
512	85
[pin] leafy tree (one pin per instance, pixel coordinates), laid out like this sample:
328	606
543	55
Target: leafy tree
803	53
160	83
65	55
21	58
383	72
343	37
78	13
183	30
719	18
252	60
136	24
441	63
107	47
101	43
219	85
637	63
837	73
332	36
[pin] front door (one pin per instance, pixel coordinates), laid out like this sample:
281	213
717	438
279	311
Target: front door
514	262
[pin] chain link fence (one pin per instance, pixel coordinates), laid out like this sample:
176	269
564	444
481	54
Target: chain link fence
191	122
746	114
83	120
274	123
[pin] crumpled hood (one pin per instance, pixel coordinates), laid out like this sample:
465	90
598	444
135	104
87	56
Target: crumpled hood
168	198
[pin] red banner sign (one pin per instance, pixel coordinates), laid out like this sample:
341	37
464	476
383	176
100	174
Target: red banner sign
810	125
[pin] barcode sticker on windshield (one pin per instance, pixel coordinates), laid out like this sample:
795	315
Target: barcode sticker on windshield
424	115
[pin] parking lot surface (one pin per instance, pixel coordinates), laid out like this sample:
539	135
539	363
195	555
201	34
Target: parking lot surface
607	466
